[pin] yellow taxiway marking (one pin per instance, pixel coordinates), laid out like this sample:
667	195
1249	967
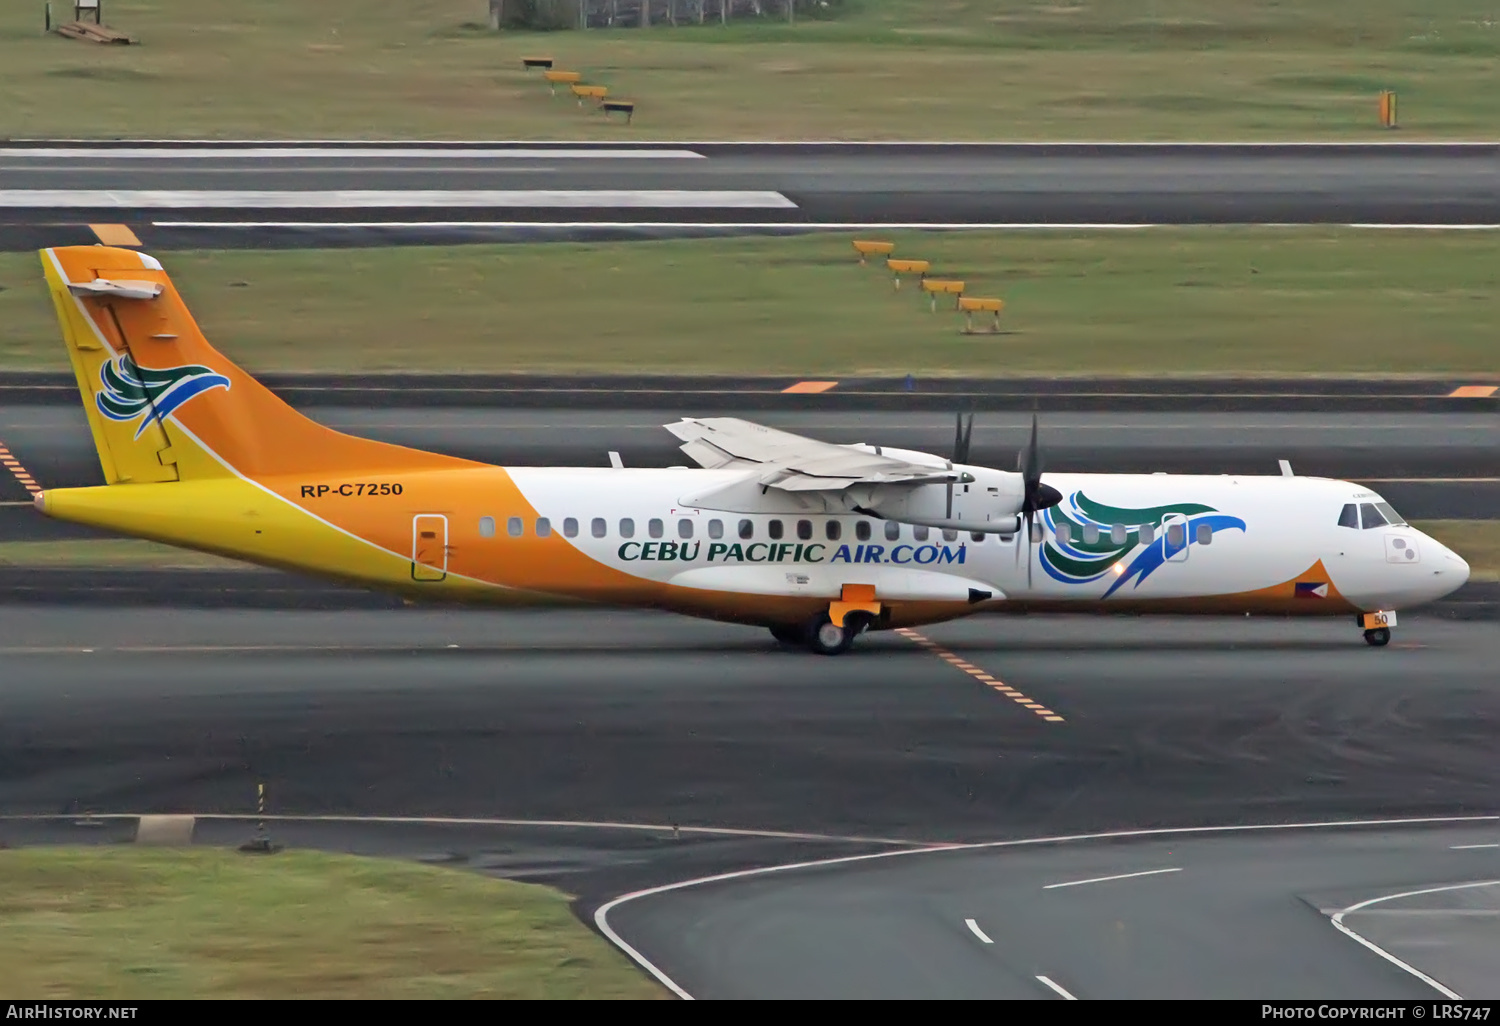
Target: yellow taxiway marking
993	683
17	471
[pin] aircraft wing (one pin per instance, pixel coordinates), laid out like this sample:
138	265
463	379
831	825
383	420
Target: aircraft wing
793	463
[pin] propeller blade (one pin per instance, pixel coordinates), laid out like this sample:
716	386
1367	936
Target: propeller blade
963	434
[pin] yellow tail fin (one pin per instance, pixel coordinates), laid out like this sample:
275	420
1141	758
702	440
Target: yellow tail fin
163	404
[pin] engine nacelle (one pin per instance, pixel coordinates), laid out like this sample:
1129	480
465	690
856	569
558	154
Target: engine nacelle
978	499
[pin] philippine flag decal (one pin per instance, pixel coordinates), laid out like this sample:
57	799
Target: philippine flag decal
1312	589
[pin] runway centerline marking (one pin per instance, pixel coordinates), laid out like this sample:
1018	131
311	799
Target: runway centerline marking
17	471
993	683
1466	847
1338	922
1106	879
976	931
1048	983
322	199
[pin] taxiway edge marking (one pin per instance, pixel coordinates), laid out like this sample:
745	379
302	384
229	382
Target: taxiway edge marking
1338	922
976	931
1053	986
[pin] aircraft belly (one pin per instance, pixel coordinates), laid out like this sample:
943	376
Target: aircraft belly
826	582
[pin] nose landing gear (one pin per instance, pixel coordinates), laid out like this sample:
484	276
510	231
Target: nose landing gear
1377	627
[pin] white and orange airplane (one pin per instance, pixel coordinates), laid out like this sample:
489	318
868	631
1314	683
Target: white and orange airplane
815	541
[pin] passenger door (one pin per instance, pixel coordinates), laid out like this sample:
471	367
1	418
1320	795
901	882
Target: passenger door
429	547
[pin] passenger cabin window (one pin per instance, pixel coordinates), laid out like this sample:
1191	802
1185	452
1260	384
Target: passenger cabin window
627	527
1349	516
1064	532
570	527
892	531
598	528
747	529
1119	534
1176	534
486	527
1205	534
655	528
977	535
716	528
1038	529
774	530
804	529
833	530
949	535
1148	534
513	527
920	533
862	530
1369	516
543	527
1090	534
684	528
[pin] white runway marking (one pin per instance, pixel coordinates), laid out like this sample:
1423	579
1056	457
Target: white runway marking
1466	847
1055	987
1105	879
280	199
284	152
1338	922
601	914
976	931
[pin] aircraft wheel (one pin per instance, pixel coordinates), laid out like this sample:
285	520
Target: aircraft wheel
1378	637
794	635
827	638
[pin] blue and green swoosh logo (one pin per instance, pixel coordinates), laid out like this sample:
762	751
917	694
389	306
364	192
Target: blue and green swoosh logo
131	391
1078	562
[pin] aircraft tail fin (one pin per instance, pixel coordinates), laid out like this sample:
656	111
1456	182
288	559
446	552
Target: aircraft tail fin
162	403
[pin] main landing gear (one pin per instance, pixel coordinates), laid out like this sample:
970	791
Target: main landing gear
1377	627
823	636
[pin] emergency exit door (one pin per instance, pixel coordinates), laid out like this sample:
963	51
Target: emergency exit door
429	547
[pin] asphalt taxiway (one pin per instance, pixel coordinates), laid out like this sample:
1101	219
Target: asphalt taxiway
320	194
574	725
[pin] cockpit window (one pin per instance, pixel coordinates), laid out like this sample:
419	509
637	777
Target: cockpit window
1349	516
1369	516
1391	516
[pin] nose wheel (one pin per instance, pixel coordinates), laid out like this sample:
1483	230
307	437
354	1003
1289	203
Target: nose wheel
1377	626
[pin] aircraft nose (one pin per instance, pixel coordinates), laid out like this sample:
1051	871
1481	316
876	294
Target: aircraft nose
1450	570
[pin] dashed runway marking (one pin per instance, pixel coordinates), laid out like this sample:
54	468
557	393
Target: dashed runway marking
991	682
17	471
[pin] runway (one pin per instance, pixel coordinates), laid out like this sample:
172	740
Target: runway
226	195
643	718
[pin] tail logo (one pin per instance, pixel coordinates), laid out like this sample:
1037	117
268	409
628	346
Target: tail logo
152	394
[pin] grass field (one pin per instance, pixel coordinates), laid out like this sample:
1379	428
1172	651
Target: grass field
1151	302
1478	541
123	923
884	69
